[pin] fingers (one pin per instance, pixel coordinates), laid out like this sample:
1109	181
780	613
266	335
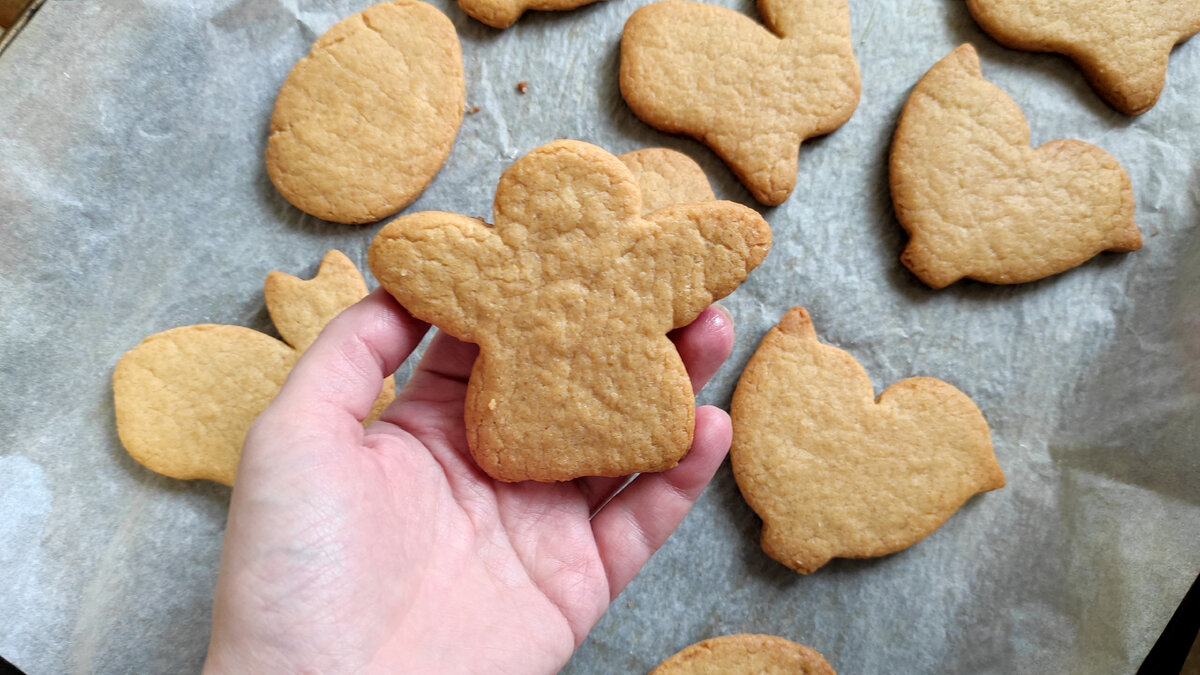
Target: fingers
631	527
337	380
442	374
704	344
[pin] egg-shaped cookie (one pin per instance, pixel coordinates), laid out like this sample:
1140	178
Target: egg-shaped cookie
364	122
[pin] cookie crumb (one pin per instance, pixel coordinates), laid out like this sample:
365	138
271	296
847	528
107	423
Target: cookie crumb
629	604
522	87
472	111
492	404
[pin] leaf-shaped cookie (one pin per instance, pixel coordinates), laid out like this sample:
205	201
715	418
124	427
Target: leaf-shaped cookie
1122	46
979	202
570	297
364	122
186	397
666	177
750	93
833	471
504	13
745	654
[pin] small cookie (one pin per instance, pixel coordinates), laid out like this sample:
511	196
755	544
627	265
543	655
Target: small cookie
979	202
504	13
1122	46
186	397
570	296
833	471
362	123
752	94
666	178
745	654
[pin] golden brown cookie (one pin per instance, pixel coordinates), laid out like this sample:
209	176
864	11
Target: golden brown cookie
570	296
186	397
979	202
750	93
745	654
833	471
1122	46
362	123
666	177
504	13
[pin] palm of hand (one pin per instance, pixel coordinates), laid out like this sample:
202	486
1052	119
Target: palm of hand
388	549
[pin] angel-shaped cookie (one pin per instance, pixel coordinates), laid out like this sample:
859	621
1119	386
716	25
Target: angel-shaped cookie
186	397
1122	46
570	296
979	202
750	93
835	472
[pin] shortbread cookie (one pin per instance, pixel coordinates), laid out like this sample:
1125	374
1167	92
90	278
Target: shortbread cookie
833	471
979	202
666	177
364	122
570	297
504	13
1122	46
745	654
752	94
186	397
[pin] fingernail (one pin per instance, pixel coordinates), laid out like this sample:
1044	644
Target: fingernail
724	311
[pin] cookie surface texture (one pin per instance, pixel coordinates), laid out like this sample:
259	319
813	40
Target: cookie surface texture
364	122
504	13
750	93
1122	46
833	471
745	654
570	296
186	397
978	202
666	177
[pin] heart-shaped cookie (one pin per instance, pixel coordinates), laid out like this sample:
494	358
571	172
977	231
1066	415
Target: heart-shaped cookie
979	202
833	471
667	177
1122	46
570	297
186	397
750	93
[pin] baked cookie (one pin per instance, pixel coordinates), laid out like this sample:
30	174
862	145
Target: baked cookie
362	124
752	94
666	177
745	654
186	397
979	202
504	13
570	296
1122	46
833	471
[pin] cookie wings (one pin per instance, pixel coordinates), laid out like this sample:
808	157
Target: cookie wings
833	471
569	297
1122	46
979	202
750	93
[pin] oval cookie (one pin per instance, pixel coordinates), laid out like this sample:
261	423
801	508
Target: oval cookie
570	296
978	202
186	397
833	471
745	654
504	13
364	122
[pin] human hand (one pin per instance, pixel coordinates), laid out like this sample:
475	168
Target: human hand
387	549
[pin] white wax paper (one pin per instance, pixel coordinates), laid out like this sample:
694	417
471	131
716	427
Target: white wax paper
133	199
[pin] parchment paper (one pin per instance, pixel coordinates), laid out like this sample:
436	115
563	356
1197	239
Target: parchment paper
133	199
